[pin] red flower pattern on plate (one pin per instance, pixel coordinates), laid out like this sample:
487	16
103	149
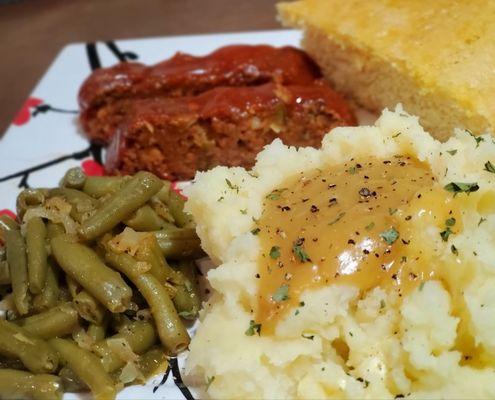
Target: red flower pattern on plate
24	114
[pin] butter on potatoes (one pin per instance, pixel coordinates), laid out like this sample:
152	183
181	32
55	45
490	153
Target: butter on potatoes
421	326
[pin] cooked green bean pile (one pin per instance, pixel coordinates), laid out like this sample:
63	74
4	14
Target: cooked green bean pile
97	279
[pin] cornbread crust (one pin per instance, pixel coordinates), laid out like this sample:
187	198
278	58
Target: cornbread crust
371	67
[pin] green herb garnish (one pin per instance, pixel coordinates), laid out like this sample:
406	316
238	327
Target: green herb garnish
337	219
477	138
445	234
275	194
460	187
253	328
489	167
282	294
275	252
390	235
392	211
454	250
231	185
300	253
450	222
209	381
255	231
307	336
452	152
369	226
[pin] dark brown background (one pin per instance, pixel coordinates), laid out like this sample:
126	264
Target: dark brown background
33	31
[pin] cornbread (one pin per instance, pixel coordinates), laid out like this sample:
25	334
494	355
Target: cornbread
364	269
437	58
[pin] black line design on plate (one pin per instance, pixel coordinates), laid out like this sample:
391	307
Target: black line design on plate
164	379
93	58
44	108
92	150
174	365
122	56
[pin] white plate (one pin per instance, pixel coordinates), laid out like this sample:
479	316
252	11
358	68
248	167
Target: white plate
44	139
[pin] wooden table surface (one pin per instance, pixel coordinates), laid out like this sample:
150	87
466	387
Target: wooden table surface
34	31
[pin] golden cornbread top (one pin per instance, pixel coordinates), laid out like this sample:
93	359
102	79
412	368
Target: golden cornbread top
443	44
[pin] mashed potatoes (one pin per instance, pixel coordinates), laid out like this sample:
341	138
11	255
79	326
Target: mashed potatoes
434	338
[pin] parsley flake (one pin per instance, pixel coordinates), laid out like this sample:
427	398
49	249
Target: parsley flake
369	226
253	328
478	139
275	194
397	135
275	252
209	381
352	170
282	294
460	187
255	231
481	221
300	253
307	336
450	222
454	250
445	234
489	167
337	219
452	152
231	185
382	304
243	211
392	211
390	235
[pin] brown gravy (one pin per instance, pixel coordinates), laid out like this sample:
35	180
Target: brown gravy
352	224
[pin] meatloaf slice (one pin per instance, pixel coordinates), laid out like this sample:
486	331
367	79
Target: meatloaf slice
174	138
104	96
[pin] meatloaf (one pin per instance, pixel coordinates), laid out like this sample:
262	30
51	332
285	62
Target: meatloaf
174	138
105	95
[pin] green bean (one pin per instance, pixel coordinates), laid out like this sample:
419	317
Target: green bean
162	210
153	362
99	186
179	243
74	178
84	266
164	193
187	299
29	198
50	295
149	252
71	381
121	205
171	331
176	206
7	223
144	219
16	257
36	254
53	229
35	353
82	204
97	332
20	384
72	286
56	322
4	273
86	366
139	335
89	308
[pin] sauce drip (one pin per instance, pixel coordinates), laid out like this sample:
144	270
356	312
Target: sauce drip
354	224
